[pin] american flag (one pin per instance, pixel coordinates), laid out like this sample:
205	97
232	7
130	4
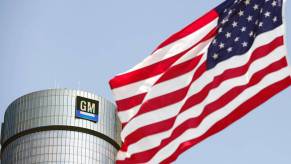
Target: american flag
201	79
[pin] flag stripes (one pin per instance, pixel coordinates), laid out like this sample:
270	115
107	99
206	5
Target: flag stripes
185	126
210	121
238	113
167	124
205	79
172	101
200	108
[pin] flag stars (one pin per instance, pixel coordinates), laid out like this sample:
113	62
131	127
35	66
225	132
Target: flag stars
267	14
241	13
236	39
221	45
234	24
250	18
275	19
220	30
214	41
215	56
244	44
224	21
247	2
228	35
241	23
274	3
230	12
229	49
256	7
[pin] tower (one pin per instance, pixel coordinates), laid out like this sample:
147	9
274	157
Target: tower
60	126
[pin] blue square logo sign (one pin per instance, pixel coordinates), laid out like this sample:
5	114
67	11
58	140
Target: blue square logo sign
87	109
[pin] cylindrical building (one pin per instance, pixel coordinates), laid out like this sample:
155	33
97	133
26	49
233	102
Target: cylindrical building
60	126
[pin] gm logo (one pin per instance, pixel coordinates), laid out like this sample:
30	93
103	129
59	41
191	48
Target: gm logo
87	109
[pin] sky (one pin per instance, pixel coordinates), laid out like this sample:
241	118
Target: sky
81	44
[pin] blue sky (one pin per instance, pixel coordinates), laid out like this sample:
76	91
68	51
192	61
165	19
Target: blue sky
83	43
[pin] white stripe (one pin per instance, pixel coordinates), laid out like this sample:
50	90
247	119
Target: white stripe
210	120
125	116
154	140
205	79
146	85
176	47
134	88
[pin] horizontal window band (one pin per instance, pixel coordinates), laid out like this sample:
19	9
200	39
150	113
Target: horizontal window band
59	127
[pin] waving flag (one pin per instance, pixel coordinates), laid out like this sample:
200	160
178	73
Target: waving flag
201	80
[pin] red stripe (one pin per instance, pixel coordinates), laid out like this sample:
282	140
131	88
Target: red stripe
155	69
128	103
174	97
180	69
195	122
239	112
196	25
144	73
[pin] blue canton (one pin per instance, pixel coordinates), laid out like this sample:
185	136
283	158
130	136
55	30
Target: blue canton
240	21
